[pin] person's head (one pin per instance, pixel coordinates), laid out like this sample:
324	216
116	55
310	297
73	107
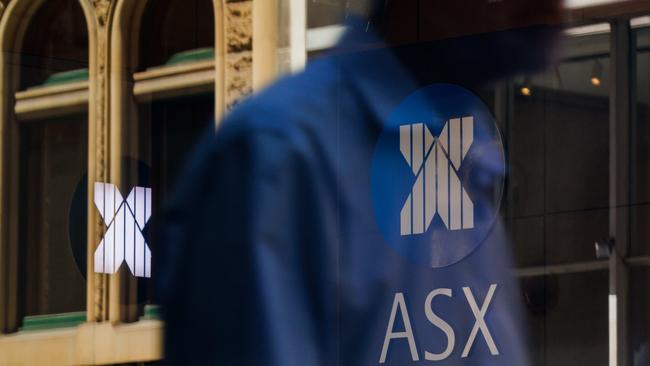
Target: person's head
425	20
511	36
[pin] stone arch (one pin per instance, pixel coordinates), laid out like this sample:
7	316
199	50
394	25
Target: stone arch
124	37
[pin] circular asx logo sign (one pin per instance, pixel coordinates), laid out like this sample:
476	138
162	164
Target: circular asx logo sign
437	175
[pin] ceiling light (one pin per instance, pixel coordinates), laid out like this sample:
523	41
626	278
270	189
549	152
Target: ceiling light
597	74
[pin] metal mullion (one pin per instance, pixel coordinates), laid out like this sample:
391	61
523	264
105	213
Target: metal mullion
619	187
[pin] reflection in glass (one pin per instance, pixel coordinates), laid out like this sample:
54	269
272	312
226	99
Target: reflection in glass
641	148
50	151
558	202
53	154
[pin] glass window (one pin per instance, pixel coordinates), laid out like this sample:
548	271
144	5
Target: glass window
51	149
177	41
558	201
559	148
55	42
322	13
639	277
567	325
171	28
641	147
53	155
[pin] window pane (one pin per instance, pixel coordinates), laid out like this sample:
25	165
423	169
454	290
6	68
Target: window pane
567	317
170	27
559	148
558	200
165	126
53	155
51	159
640	214
169	131
640	318
321	13
55	42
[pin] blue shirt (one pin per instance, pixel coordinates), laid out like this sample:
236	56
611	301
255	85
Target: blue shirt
271	252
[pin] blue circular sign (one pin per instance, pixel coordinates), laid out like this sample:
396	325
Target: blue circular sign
437	175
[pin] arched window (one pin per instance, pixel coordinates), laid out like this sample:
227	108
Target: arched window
169	103
175	32
47	163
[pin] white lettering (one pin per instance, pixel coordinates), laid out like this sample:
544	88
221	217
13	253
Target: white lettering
407	333
480	321
438	322
443	325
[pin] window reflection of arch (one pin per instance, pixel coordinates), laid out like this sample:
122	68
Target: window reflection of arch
162	101
56	41
172	29
45	107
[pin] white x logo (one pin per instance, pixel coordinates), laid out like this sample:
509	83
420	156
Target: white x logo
125	220
435	162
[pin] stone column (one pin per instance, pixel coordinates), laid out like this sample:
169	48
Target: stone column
238	73
99	160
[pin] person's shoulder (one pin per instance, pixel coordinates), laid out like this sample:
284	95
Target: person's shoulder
292	104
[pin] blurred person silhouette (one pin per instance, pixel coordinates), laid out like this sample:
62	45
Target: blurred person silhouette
293	235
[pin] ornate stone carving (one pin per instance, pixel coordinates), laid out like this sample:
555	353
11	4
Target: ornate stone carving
239	26
239	71
239	55
102	9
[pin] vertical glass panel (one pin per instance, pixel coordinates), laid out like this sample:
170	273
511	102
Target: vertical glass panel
639	343
54	163
559	149
640	214
177	39
50	154
567	318
558	200
169	131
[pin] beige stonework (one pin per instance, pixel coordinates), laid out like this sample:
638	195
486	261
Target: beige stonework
239	26
239	81
99	164
239	57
